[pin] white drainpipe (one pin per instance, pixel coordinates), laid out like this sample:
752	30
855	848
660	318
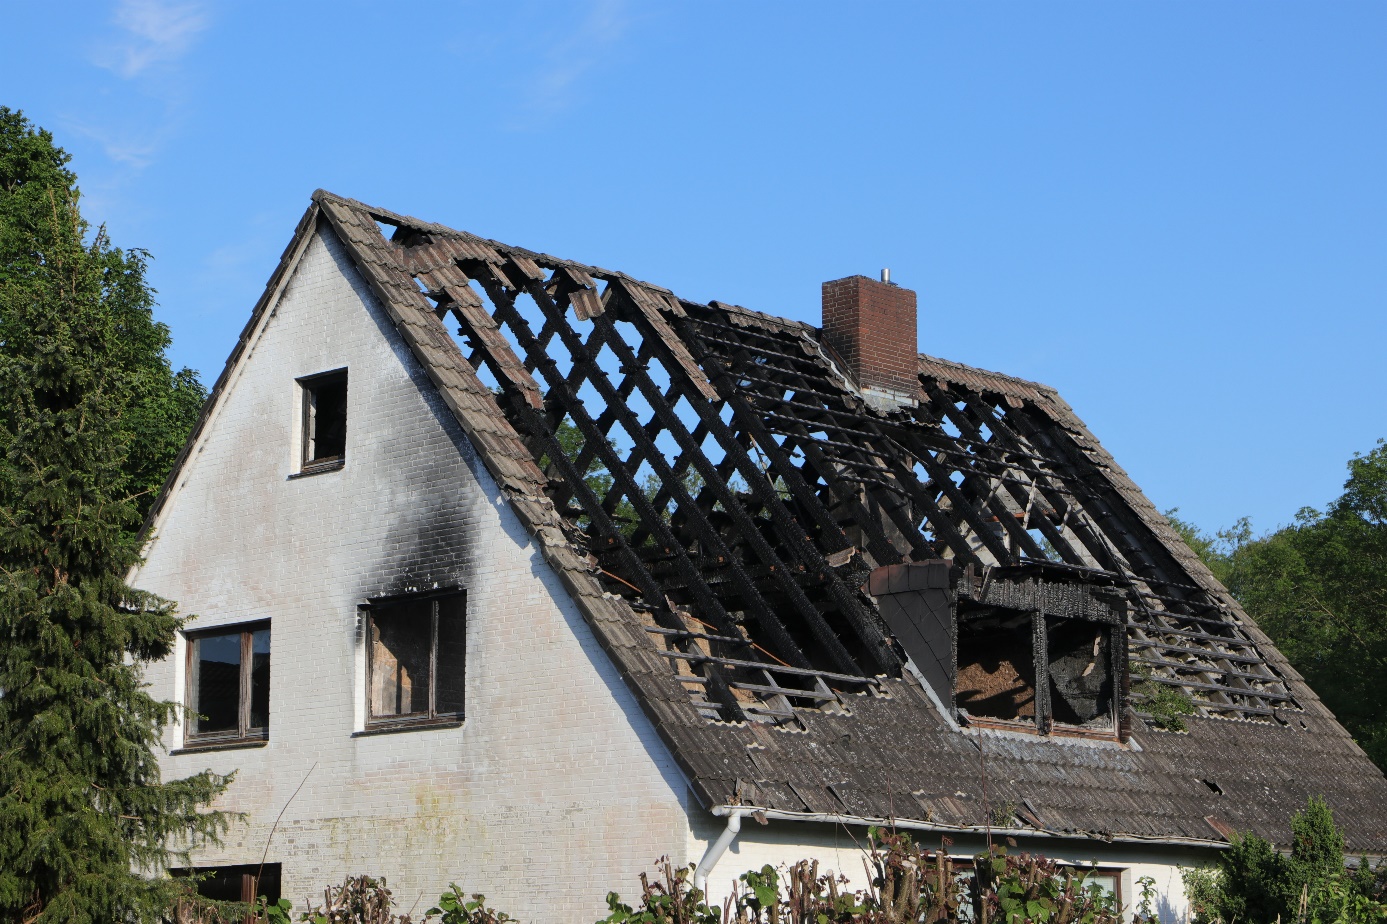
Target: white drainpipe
715	850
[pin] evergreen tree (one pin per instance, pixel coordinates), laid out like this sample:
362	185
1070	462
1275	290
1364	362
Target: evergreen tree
84	429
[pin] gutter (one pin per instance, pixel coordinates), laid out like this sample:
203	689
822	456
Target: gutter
715	850
736	812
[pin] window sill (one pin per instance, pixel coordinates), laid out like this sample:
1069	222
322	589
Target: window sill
199	747
420	725
319	468
1028	728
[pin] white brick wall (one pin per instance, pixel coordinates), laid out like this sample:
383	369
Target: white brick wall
843	849
554	790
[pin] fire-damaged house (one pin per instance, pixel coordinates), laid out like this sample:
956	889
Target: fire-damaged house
523	573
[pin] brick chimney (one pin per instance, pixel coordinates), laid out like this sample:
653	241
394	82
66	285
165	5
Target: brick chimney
871	326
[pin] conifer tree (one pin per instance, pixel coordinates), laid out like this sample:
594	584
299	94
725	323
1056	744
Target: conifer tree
86	823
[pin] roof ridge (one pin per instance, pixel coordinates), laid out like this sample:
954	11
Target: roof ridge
978	370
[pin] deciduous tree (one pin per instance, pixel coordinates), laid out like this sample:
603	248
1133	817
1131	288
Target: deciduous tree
1319	588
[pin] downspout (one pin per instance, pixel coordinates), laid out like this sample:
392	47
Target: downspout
715	850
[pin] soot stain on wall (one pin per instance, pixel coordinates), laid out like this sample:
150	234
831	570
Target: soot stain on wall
432	542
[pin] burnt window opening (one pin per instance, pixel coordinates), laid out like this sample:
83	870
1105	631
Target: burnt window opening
228	690
996	668
1037	648
324	420
244	883
416	659
1080	672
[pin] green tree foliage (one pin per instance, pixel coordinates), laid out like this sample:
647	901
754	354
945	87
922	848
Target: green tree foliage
601	481
155	407
1163	706
1256	884
1319	588
84	417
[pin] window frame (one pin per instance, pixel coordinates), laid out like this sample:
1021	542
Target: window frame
1093	869
433	718
244	732
1044	722
309	387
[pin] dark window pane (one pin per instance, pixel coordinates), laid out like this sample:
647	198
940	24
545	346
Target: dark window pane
236	883
452	655
996	668
216	683
329	419
400	639
260	679
1080	673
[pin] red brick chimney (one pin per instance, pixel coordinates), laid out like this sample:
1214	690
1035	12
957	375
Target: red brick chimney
871	326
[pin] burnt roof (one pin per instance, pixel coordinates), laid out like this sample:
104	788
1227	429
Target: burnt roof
714	491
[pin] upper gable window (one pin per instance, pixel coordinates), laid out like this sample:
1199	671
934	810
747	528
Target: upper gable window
229	685
324	420
415	659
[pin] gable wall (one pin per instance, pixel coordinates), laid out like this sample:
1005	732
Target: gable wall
555	762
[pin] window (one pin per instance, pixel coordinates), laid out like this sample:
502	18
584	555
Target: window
1110	881
324	420
1039	647
243	883
996	667
1039	671
416	655
229	684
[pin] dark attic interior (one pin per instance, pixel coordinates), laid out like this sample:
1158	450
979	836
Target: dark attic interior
797	514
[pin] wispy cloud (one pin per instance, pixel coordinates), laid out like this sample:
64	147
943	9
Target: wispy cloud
139	110
554	87
133	148
154	32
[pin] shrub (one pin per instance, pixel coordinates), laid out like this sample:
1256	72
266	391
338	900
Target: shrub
1254	884
907	883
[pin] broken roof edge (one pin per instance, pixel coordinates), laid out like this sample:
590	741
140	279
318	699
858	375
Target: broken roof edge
1161	530
987	379
386	216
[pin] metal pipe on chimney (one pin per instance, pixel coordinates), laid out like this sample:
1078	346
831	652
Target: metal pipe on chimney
886	275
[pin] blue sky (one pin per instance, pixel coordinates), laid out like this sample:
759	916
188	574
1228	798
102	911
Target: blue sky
1176	213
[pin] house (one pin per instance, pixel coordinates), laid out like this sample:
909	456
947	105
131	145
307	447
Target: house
522	573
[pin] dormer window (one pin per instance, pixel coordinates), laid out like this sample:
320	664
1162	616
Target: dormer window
324	421
1039	648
